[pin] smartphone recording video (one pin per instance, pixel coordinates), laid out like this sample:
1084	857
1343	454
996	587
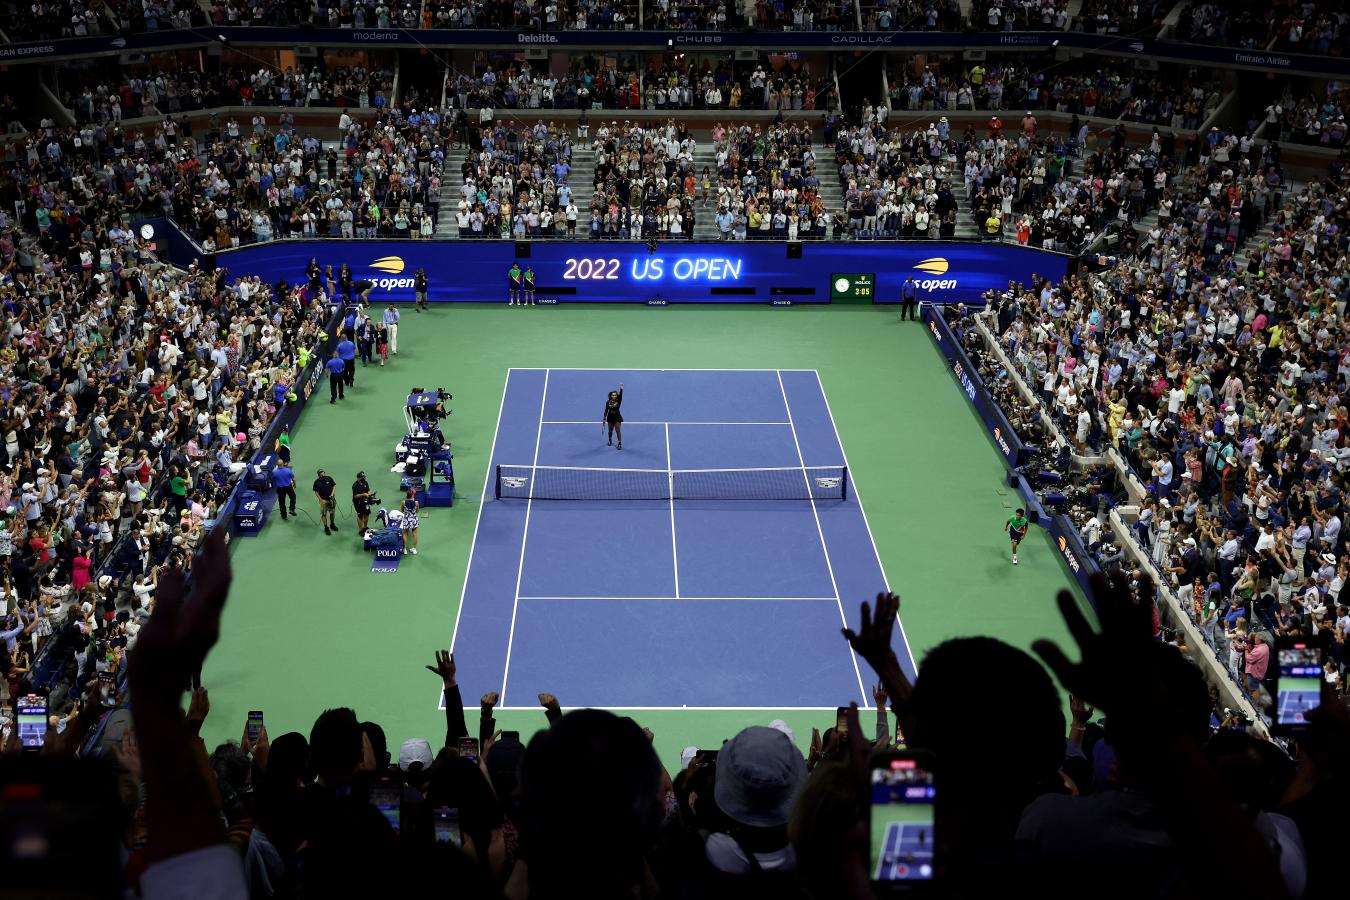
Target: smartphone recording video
468	748
386	795
31	715
446	825
1298	683
902	820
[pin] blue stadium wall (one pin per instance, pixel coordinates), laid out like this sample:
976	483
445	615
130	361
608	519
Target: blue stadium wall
628	272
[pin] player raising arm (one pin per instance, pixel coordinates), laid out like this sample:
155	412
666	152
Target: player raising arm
612	421
1016	526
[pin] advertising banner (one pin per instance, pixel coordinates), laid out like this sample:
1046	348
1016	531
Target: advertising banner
1069	546
763	41
624	272
1009	445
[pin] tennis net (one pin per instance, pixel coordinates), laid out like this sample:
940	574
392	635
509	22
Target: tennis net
575	483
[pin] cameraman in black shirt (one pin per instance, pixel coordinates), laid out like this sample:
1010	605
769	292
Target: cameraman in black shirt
362	498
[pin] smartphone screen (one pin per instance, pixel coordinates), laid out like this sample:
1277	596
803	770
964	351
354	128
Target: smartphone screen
387	797
841	720
902	818
468	748
446	822
105	677
1298	688
31	713
255	724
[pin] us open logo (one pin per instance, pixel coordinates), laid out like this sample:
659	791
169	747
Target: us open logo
393	265
935	265
514	482
828	484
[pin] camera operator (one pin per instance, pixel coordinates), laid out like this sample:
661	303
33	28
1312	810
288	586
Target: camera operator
362	500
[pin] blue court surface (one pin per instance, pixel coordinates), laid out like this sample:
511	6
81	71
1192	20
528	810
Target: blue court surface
1295	705
907	852
668	603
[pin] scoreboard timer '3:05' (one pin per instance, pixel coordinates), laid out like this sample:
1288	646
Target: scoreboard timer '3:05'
853	286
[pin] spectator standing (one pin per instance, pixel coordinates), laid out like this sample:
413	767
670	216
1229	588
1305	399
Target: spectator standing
391	325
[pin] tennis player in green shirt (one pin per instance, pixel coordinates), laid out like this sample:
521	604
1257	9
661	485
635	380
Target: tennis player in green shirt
1016	527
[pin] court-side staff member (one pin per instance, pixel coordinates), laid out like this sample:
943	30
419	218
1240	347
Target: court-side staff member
391	323
529	285
346	350
513	276
324	486
419	288
335	367
612	420
283	479
909	298
361	495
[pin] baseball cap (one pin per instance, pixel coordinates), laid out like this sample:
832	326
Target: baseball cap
759	773
414	751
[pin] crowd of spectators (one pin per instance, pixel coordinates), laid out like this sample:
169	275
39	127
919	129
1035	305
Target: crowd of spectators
762	183
1171	97
1295	26
133	394
1221	387
51	19
350	809
672	83
1309	118
896	182
100	98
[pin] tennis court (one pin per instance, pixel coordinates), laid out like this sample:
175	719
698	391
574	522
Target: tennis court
708	565
1297	698
906	851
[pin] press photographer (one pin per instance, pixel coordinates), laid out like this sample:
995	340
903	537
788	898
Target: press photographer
363	499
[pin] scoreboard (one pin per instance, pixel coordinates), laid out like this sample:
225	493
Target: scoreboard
853	286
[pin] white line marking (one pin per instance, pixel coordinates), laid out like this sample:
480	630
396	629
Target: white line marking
672	422
853	657
909	650
524	536
540	710
737	599
640	369
676	471
674	547
482	502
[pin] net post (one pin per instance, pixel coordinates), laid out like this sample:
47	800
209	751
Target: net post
497	490
843	484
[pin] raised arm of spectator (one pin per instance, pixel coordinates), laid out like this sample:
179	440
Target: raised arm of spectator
551	708
883	727
1198	810
455	726
186	848
487	725
872	641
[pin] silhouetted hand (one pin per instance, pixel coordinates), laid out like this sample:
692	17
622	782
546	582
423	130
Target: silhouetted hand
445	667
1116	671
172	646
872	640
550	703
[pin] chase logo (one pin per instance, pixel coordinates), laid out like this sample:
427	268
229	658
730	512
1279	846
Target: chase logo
934	265
394	264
